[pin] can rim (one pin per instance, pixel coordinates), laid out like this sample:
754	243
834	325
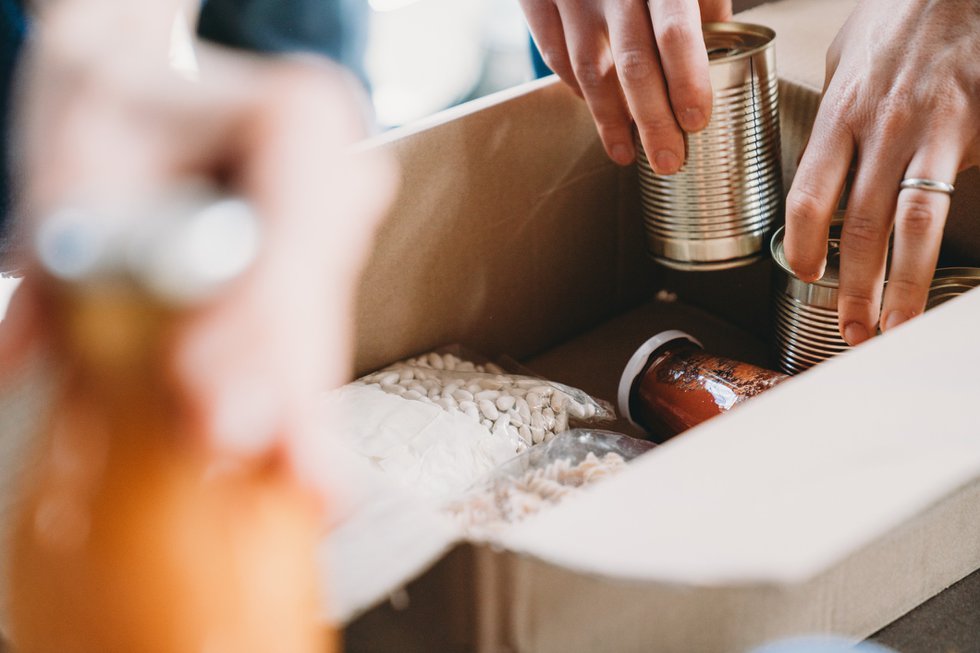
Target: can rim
638	361
779	256
733	27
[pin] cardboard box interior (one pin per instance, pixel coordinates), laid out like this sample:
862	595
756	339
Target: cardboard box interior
819	507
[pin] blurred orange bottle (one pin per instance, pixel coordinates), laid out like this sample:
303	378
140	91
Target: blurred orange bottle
132	539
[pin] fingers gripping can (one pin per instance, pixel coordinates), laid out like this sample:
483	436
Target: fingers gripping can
718	211
805	314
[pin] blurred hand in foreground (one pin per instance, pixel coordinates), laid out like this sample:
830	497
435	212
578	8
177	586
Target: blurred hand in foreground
633	62
902	101
104	120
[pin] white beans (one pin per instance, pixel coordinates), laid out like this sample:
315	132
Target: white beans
526	410
488	409
505	402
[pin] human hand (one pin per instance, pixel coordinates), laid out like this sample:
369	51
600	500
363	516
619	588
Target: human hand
902	101
104	128
631	70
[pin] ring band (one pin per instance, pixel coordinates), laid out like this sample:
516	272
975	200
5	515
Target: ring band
927	184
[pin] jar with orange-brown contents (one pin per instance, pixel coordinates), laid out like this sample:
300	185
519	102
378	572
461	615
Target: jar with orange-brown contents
671	384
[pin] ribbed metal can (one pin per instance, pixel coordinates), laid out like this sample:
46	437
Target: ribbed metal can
718	211
950	283
805	314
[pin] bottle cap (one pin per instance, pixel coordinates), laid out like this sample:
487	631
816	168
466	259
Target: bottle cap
638	362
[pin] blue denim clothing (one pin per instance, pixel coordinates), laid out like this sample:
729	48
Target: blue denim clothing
537	62
334	28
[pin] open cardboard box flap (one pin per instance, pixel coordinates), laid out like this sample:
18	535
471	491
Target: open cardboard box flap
835	502
792	483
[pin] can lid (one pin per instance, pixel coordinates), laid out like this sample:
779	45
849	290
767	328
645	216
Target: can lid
732	40
951	282
638	361
831	274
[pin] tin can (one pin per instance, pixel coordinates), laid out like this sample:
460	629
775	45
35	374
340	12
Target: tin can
949	283
671	384
717	212
805	315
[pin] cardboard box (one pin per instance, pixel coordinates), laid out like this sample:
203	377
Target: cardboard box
835	503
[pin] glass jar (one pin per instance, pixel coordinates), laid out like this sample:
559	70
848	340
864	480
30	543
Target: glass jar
671	384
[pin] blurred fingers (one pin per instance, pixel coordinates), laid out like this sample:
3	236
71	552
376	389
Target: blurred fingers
253	363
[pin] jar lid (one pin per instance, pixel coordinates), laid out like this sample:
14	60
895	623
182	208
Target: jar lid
831	274
638	361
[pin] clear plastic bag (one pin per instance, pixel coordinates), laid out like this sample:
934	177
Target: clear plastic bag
524	409
543	476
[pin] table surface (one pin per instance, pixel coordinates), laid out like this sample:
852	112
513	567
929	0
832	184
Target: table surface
947	623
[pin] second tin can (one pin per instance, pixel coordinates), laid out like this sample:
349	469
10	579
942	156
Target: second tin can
805	314
719	210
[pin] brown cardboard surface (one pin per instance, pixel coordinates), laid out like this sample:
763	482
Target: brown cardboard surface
874	586
510	232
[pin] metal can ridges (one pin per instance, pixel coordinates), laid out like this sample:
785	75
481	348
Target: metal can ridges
805	317
951	282
717	212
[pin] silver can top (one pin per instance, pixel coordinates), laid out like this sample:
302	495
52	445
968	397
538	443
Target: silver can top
946	284
728	41
831	275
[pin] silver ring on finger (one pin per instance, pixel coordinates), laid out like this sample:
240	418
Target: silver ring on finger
926	184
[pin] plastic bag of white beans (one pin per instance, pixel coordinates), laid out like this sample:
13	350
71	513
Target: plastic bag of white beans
542	477
524	409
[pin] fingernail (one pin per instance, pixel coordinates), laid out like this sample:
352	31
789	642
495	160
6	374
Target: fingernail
894	318
622	154
666	162
810	277
818	275
693	120
855	334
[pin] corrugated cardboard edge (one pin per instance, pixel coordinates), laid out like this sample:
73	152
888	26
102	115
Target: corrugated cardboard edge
854	598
